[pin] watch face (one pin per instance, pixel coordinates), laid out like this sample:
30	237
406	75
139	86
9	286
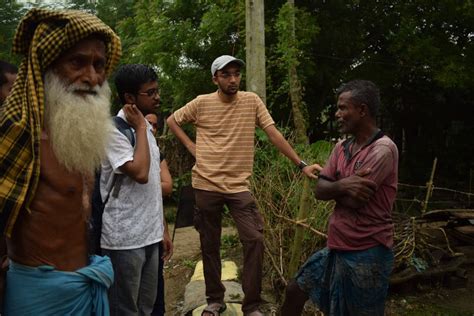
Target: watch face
302	164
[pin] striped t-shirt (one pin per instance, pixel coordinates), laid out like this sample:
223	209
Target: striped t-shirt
225	134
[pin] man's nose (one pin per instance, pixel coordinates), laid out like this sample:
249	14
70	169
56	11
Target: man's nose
157	97
91	76
338	114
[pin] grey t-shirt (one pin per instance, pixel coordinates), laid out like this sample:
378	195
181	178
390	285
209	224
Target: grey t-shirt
134	218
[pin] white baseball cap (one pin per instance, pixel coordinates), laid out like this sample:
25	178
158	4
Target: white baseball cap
222	61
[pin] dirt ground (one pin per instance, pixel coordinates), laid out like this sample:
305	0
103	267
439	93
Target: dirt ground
179	269
435	299
424	300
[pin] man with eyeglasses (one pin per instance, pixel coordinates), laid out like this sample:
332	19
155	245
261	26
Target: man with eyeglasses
132	222
224	151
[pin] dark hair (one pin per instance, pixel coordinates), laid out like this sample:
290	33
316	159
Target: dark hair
6	68
362	92
129	78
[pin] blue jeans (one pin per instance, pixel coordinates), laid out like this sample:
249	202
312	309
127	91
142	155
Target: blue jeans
159	308
136	277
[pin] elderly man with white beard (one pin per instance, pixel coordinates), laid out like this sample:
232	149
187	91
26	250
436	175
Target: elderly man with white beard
53	133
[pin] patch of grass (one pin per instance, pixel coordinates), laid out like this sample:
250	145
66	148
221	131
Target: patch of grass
229	241
227	220
169	211
189	263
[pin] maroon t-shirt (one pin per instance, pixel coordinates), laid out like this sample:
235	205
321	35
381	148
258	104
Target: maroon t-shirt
370	225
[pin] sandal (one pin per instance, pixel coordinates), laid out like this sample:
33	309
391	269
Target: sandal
214	308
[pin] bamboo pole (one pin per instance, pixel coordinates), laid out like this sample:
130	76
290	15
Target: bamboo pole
470	186
429	187
299	231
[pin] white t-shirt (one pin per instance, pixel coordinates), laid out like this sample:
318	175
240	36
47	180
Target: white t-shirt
134	218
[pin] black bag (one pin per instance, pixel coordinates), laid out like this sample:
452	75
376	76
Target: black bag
97	205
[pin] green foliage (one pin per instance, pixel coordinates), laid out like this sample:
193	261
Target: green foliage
180	181
228	244
84	5
182	38
420	53
170	213
189	263
229	241
10	15
289	49
435	39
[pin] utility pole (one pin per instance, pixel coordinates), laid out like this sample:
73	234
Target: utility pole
255	47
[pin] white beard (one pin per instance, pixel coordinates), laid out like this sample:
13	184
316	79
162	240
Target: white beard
78	126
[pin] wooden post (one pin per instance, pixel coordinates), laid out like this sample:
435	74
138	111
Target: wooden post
429	187
470	186
255	47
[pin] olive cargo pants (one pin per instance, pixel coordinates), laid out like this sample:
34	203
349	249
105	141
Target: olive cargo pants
249	222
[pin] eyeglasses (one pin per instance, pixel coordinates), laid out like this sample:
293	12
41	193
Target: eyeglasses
227	75
150	93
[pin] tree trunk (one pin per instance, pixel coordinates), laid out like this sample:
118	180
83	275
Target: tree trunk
296	104
295	84
302	138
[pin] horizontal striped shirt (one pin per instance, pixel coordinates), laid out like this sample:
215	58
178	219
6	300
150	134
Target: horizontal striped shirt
225	137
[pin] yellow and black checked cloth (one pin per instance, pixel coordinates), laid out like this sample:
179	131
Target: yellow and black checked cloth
42	36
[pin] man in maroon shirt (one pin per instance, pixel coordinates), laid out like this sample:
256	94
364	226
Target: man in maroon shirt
350	276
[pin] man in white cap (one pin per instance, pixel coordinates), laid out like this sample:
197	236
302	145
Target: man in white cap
224	150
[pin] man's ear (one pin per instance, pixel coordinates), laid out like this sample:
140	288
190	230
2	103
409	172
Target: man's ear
363	110
214	79
129	98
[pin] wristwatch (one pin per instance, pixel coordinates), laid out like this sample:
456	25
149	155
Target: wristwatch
302	165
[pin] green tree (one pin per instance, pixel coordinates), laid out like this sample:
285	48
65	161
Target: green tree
420	53
10	15
182	38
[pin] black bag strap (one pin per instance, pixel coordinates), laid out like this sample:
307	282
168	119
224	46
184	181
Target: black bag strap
114	179
126	130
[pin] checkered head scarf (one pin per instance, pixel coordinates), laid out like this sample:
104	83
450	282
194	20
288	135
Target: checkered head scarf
42	36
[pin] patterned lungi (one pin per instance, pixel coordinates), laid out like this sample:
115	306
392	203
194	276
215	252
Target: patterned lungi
347	282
